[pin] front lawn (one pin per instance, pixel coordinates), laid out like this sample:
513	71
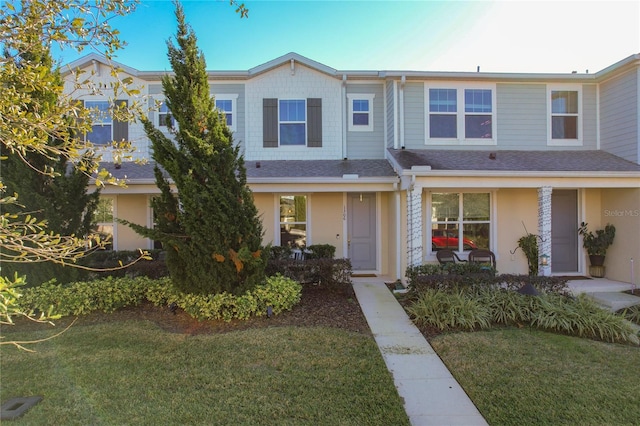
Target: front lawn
525	377
132	372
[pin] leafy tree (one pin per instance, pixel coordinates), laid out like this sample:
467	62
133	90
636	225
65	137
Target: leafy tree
59	195
210	230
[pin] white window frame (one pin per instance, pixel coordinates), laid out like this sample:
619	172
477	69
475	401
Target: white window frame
493	217
234	109
360	97
305	122
460	114
278	222
100	122
113	223
564	88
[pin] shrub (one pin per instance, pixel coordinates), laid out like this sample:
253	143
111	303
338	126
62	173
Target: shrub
541	283
107	295
448	311
414	273
321	251
330	273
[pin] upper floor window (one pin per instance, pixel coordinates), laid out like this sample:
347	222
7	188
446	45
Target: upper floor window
165	119
564	123
360	112
102	124
292	122
227	105
460	115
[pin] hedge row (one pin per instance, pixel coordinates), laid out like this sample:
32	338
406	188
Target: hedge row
107	295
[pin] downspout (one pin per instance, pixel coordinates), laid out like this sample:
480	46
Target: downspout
401	108
344	116
398	200
395	114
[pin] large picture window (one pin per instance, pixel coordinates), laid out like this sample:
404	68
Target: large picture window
293	220
460	115
460	221
293	121
102	124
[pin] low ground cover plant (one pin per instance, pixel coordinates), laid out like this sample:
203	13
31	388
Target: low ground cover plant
471	301
278	294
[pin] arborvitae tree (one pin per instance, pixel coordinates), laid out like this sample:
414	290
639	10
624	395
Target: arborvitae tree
210	229
49	187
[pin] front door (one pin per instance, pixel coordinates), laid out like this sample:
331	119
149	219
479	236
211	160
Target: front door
361	232
564	231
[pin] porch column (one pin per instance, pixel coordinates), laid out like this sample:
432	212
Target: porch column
414	225
544	229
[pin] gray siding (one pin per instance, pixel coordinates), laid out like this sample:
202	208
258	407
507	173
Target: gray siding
619	116
234	89
589	116
368	145
155	89
414	116
390	114
521	116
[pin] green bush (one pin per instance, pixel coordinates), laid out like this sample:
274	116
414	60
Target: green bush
321	251
109	294
330	273
414	273
632	314
449	311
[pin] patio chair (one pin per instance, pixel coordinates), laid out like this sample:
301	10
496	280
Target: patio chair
482	256
447	256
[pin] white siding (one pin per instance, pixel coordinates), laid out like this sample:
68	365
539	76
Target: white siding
368	145
304	83
619	115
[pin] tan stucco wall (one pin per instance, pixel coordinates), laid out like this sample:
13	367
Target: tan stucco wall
133	208
264	202
516	209
621	208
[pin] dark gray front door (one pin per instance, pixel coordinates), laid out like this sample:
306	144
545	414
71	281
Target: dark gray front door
361	236
564	231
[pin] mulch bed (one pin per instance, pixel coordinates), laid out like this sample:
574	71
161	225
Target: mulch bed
318	307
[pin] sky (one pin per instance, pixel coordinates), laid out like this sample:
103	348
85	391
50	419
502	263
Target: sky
422	35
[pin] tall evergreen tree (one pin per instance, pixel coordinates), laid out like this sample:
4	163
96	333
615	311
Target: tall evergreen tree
210	230
48	186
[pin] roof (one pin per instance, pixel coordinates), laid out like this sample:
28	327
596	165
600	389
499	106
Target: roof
511	160
319	169
293	58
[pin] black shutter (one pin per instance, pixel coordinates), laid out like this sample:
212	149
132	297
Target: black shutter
314	122
270	123
120	128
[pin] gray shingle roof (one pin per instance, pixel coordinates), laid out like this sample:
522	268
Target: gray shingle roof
519	161
318	168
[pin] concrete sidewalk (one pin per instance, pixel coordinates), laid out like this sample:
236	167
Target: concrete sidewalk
431	395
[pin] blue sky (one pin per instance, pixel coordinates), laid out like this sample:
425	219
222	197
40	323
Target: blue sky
498	36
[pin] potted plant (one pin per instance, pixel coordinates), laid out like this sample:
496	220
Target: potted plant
597	243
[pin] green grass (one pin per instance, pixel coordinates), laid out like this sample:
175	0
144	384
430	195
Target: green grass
134	373
523	377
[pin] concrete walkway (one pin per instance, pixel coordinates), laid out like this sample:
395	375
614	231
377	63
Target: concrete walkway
431	395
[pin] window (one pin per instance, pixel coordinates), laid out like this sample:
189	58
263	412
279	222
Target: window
102	123
293	122
293	220
460	221
103	217
564	105
165	119
360	112
458	115
227	105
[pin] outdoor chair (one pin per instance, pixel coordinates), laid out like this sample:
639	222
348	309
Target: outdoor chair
483	256
447	256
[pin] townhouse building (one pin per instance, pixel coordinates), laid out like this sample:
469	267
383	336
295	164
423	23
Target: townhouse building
392	166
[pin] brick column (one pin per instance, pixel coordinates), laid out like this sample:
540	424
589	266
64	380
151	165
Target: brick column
414	226
544	229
